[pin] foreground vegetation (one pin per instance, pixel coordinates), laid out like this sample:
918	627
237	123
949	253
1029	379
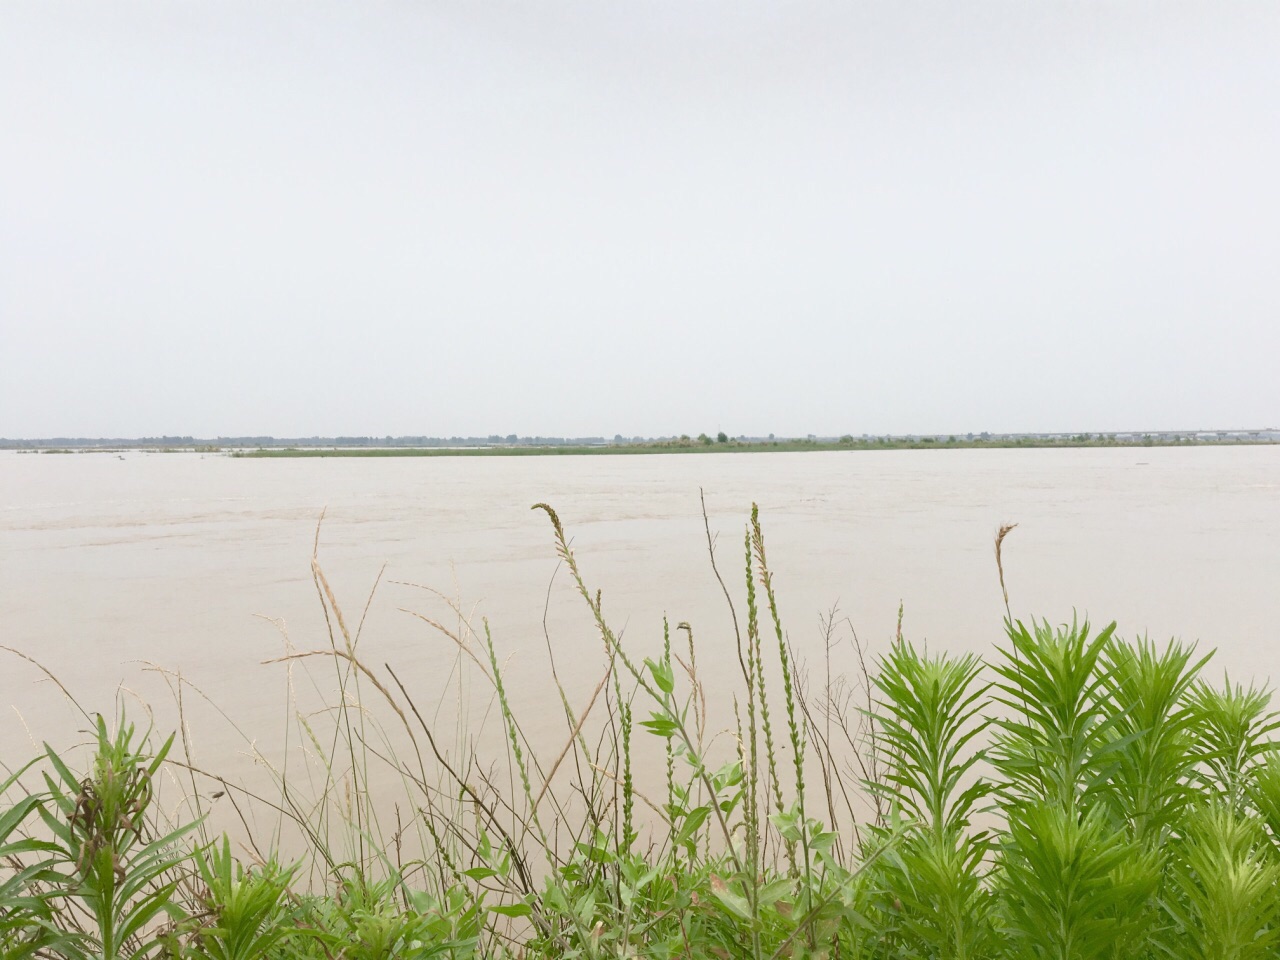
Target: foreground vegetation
1072	796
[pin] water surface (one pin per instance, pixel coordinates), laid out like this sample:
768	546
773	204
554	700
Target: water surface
201	563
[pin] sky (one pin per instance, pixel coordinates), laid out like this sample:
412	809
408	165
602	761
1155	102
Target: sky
648	218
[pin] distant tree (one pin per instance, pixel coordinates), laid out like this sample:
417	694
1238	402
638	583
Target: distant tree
617	438
722	437
703	438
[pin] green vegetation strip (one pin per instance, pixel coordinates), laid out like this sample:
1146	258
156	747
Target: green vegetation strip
1071	796
733	446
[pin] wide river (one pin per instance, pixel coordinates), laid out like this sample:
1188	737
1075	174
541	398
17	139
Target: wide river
195	563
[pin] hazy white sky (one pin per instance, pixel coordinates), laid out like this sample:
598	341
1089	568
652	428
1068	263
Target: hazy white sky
638	216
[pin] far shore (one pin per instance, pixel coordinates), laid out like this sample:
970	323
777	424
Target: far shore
732	446
267	447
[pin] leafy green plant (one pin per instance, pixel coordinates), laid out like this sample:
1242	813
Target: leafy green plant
26	919
937	896
247	910
1224	897
928	718
370	922
1069	888
1234	735
1058	742
110	864
1152	782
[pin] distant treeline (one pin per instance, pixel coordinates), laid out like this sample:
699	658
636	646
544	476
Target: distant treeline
134	443
511	443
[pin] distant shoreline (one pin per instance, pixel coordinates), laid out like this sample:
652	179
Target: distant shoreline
269	447
797	446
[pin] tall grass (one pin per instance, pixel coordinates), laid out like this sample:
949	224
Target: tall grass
1073	795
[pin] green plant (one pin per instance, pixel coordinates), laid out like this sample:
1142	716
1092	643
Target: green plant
928	718
26	919
1223	899
926	713
1058	743
108	862
1152	782
1234	735
1069	888
370	922
936	895
247	910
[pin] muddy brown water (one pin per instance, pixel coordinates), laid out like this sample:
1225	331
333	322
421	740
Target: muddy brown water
200	564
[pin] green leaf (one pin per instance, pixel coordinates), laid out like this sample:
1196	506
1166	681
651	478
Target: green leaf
661	725
512	910
662	675
734	902
696	818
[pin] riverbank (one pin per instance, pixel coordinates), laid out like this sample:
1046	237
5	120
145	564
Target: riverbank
739	446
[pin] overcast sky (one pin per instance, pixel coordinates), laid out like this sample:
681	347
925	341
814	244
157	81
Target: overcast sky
638	217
